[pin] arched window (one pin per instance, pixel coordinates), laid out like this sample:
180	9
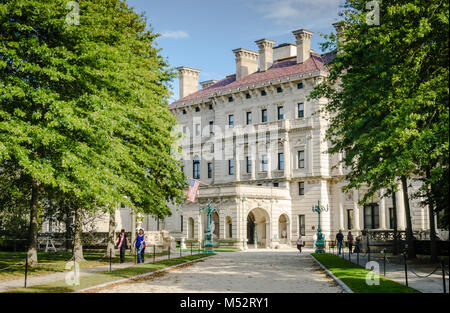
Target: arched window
229	227
190	228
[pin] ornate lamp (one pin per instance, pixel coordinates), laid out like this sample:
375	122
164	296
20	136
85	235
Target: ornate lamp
208	209
320	242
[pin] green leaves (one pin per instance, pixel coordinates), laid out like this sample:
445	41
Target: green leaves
390	112
83	108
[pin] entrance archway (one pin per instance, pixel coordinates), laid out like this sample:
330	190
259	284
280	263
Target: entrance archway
283	229
258	228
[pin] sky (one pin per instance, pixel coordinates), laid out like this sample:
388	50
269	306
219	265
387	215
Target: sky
202	33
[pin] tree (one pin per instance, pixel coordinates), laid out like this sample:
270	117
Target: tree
84	109
386	95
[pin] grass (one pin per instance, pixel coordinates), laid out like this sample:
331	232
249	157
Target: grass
100	278
354	276
51	262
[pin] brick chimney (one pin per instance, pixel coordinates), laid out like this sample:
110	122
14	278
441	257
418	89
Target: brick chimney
246	62
303	38
265	47
188	80
208	83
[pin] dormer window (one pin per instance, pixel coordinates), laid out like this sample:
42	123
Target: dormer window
210	107
230	99
197	109
247	96
263	93
279	90
184	112
299	85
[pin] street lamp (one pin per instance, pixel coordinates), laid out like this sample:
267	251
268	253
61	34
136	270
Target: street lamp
320	243
244	246
208	209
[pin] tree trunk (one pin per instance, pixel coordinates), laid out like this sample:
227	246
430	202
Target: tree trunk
395	243
111	235
434	252
68	234
33	232
409	231
133	231
77	238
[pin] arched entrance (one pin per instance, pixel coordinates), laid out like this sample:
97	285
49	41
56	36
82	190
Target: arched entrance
258	229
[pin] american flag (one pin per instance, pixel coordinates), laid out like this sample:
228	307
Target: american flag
193	187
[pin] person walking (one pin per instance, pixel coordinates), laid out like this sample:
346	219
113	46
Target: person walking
122	244
350	241
299	243
139	243
339	240
357	244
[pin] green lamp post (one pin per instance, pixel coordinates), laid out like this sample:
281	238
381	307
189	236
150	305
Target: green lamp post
320	242
208	209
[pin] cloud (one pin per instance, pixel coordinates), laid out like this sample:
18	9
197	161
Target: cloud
174	34
292	13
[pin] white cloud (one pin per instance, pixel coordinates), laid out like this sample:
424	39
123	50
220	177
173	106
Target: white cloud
298	13
175	34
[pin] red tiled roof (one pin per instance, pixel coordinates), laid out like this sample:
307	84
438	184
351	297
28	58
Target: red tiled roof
281	69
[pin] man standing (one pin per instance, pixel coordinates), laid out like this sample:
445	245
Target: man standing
339	240
122	244
350	241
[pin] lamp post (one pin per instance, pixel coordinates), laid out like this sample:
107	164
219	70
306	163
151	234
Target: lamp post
208	209
244	246
320	243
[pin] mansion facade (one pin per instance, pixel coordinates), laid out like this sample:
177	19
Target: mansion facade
257	144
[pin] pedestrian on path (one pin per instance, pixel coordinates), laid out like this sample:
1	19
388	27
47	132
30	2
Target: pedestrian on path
139	242
300	243
122	244
357	245
350	241
339	240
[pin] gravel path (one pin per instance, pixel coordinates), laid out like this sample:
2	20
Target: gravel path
250	271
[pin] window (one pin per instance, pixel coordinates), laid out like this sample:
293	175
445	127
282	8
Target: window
184	129
230	99
249	164
349	219
231	167
276	184
210	170
299	85
181	223
301	188
211	127
247	96
210	106
301	110
264	163
197	129
197	109
184	112
391	218
196	169
249	118
371	216
280	113
301	159
281	161
231	120
264	115
263	93
279	90
301	225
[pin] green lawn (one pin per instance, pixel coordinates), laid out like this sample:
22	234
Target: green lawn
100	278
354	276
50	262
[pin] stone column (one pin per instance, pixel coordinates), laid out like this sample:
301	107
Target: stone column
237	164
401	219
269	164
356	223
287	156
341	208
253	161
382	208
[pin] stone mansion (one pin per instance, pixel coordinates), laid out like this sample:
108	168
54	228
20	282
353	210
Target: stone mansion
257	145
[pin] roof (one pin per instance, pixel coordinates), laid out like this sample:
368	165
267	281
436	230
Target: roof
281	69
